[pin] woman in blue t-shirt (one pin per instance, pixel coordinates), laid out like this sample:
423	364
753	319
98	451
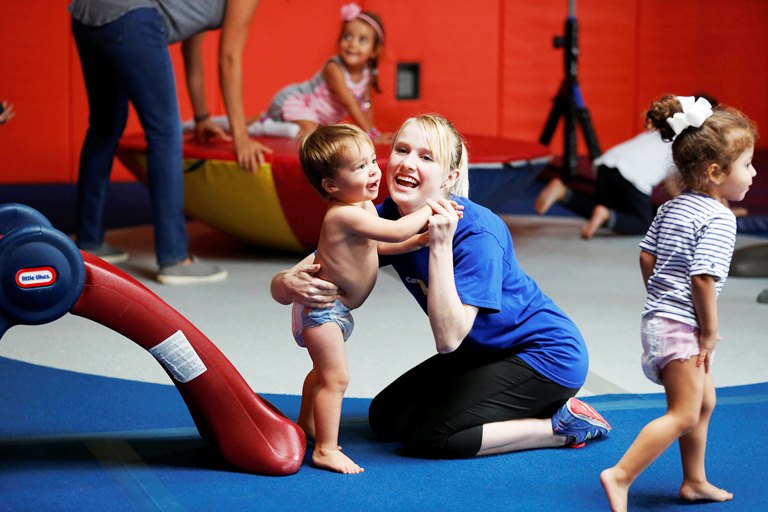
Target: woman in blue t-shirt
509	361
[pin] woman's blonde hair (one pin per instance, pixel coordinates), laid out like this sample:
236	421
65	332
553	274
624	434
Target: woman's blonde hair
447	146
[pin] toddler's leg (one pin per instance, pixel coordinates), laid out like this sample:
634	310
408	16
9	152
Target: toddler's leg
684	385
693	448
307	412
326	347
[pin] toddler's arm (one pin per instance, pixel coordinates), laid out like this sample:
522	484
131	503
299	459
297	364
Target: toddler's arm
367	223
414	243
647	264
704	297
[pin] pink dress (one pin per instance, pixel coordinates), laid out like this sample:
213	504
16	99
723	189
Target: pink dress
313	100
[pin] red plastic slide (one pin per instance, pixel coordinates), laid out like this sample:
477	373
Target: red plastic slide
249	432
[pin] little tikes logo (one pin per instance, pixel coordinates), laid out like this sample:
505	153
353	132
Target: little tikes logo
35	277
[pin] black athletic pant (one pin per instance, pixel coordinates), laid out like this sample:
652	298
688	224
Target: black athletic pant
633	210
438	408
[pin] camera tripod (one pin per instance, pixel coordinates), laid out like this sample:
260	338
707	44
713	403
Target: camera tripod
569	103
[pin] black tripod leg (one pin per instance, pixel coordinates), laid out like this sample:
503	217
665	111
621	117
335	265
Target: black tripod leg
585	120
558	109
570	154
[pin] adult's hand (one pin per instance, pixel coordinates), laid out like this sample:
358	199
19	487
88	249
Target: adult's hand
7	112
207	130
250	153
442	225
300	284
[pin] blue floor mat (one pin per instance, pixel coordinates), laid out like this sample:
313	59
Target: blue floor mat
70	441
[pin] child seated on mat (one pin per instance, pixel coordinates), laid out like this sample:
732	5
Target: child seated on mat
341	88
340	163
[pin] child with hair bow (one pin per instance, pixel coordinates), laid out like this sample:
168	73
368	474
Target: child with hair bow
684	260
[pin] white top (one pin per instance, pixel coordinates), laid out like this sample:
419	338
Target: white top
645	160
692	234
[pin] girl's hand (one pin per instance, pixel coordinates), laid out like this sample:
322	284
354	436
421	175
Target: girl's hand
706	349
442	225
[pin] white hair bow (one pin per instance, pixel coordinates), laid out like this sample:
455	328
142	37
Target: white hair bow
694	113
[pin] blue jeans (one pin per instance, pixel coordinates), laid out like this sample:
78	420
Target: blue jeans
128	60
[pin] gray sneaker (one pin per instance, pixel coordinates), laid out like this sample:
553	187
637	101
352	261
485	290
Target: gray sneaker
191	273
109	254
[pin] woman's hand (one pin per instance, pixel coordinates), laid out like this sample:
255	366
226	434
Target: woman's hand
300	284
442	225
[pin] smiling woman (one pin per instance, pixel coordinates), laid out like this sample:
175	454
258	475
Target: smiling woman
509	360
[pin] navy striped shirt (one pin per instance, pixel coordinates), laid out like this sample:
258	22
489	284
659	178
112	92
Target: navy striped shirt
692	234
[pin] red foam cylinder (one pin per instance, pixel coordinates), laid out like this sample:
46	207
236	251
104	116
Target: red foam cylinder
249	432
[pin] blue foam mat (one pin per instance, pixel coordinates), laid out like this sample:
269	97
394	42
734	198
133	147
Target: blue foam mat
70	441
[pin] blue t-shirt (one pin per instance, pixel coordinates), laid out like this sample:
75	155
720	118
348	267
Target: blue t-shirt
512	310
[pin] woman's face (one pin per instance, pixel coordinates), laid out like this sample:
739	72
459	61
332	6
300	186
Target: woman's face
413	173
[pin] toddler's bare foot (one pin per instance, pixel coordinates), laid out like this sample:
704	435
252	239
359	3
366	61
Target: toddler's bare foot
335	460
552	193
703	492
600	216
616	492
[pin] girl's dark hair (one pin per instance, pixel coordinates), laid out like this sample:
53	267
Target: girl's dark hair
719	140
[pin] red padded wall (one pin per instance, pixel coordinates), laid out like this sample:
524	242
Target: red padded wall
489	65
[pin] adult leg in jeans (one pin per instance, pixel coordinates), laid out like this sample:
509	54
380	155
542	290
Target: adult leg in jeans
108	112
136	49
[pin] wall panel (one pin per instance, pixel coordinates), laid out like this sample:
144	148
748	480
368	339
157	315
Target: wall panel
488	65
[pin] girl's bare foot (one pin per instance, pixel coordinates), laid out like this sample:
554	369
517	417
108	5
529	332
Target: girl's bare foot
690	491
600	216
552	193
616	492
334	460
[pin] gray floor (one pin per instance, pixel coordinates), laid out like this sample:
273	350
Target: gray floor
597	283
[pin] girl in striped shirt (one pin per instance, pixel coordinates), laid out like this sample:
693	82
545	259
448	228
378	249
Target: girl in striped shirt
684	260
